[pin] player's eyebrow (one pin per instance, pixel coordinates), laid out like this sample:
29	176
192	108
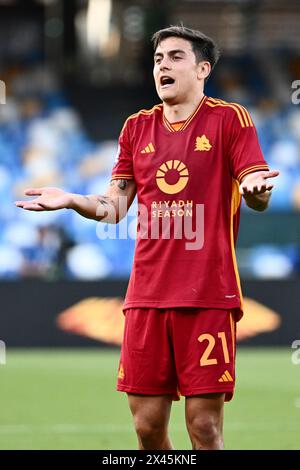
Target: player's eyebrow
170	53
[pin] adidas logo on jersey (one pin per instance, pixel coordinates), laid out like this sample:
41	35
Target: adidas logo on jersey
226	377
148	149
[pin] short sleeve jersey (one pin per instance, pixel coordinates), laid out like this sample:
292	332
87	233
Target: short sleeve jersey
189	203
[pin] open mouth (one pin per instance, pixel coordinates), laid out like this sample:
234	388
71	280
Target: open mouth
166	82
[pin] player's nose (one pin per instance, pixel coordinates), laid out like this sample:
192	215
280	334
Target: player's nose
164	64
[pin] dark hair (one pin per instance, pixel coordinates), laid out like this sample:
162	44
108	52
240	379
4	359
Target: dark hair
203	46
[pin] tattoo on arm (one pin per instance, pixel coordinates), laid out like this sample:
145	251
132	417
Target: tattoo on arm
122	184
102	205
104	200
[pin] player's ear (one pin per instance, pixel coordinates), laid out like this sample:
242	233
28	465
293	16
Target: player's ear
204	69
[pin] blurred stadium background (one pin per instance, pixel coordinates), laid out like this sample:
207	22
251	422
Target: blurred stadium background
73	71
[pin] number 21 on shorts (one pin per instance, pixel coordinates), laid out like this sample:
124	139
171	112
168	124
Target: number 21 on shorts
206	360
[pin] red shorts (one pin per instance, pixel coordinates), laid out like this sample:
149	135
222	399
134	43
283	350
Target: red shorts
186	351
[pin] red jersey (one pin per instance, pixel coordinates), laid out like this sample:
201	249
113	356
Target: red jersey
188	194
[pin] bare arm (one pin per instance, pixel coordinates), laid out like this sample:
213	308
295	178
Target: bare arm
257	190
109	208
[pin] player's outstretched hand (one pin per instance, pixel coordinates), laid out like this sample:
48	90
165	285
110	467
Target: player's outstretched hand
256	183
48	199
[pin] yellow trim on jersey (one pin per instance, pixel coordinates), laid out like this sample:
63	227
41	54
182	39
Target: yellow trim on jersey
121	177
236	198
252	169
194	114
247	118
144	112
242	113
186	123
177	125
235	201
213	105
232	327
169	125
245	113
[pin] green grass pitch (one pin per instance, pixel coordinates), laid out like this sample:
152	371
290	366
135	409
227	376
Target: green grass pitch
66	399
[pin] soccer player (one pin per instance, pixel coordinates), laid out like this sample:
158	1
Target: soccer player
189	159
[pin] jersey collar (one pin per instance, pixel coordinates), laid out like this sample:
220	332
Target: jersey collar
185	124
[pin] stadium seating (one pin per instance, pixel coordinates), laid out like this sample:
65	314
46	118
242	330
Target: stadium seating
44	143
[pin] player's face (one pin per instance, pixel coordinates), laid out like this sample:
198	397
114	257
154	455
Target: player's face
176	74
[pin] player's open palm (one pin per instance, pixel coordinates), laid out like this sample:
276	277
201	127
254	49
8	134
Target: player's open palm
48	199
257	183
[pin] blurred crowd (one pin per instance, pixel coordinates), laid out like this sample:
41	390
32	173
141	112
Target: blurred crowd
44	143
